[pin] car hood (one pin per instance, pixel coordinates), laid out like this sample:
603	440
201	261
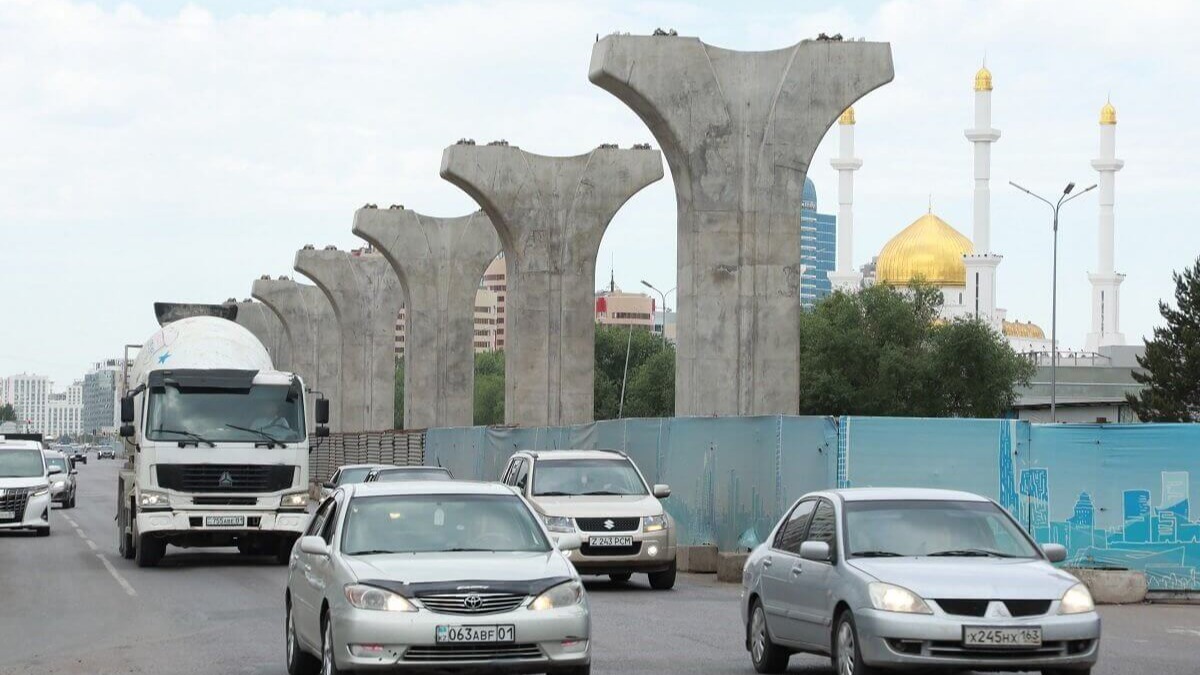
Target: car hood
416	568
600	506
971	578
34	481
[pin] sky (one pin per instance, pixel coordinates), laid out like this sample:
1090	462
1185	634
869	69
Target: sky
175	150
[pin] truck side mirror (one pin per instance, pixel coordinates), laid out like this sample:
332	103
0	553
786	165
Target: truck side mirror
322	411
126	431
127	409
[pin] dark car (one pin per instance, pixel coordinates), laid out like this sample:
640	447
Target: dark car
78	456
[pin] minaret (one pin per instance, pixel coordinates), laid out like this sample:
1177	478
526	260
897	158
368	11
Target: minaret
844	277
980	297
1106	283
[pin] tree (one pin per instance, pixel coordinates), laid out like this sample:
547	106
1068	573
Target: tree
885	352
8	413
651	368
489	388
1172	359
651	389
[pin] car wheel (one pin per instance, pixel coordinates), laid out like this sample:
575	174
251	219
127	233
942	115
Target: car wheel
43	532
149	551
847	655
766	656
621	578
328	664
299	662
663	581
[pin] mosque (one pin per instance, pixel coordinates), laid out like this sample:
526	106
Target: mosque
963	268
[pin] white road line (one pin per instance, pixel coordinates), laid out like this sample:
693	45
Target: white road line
116	575
71	522
1184	631
90	543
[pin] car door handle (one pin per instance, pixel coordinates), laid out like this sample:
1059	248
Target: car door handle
767	562
797	570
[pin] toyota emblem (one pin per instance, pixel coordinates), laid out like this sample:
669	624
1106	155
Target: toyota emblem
609	524
473	602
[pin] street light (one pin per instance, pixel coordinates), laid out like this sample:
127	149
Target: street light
1054	207
663	331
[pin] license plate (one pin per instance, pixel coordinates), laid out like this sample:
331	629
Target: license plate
981	636
224	521
8	515
459	634
610	541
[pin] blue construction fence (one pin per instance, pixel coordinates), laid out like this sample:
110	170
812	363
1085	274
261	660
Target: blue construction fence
1114	495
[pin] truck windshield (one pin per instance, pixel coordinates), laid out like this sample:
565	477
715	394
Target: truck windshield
201	416
21	464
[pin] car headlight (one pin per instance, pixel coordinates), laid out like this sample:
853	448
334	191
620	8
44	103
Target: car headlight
1077	600
59	483
296	500
654	523
370	597
891	598
559	524
153	500
40	491
562	595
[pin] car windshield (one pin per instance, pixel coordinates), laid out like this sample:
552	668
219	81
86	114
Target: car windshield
440	523
21	464
396	475
562	477
355	475
933	528
200	416
57	461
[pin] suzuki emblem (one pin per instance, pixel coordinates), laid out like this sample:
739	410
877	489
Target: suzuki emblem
609	524
473	601
225	480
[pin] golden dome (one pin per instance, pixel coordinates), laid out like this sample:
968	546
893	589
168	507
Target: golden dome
847	117
930	250
983	79
1027	329
1108	114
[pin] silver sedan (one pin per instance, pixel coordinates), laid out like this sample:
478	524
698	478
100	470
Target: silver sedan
446	576
911	579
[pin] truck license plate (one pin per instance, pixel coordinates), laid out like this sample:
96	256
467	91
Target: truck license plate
224	521
456	634
610	541
986	637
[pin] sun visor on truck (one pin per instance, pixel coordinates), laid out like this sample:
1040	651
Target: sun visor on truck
167	312
203	379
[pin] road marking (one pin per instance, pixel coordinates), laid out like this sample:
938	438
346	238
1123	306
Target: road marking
71	522
1184	631
90	544
116	575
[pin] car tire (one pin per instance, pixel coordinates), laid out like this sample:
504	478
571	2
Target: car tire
621	577
43	532
299	662
71	504
846	654
766	656
149	551
328	664
663	581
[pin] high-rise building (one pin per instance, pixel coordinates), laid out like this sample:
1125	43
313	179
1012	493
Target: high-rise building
818	248
99	393
63	417
29	396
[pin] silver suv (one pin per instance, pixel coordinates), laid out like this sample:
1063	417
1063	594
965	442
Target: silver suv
603	497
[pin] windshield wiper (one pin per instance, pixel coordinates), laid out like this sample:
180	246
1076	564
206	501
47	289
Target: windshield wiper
377	551
876	554
554	493
271	439
468	550
971	553
603	492
194	436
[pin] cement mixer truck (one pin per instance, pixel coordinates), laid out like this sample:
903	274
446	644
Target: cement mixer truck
216	441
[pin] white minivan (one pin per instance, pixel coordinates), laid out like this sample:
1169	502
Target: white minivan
24	487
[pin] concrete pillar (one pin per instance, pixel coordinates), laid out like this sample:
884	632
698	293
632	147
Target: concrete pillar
313	333
550	213
739	130
267	327
366	297
439	262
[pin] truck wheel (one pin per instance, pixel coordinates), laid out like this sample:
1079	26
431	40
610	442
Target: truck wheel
150	551
663	581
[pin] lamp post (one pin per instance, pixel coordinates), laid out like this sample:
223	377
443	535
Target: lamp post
1065	197
647	284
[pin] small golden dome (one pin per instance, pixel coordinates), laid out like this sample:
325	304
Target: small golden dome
1108	114
1026	329
847	117
929	250
983	79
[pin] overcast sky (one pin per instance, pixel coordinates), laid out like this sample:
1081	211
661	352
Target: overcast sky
176	151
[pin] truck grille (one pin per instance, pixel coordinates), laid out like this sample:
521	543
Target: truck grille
473	652
601	524
471	603
225	477
14	500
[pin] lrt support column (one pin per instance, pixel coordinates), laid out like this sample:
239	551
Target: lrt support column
267	327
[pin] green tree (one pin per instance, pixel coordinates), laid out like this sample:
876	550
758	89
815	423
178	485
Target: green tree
8	413
1172	359
884	352
489	388
643	346
651	389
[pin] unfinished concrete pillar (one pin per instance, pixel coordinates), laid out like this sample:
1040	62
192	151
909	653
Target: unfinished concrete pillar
550	214
366	297
738	130
313	333
267	327
439	262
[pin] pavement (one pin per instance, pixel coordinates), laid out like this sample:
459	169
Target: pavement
70	605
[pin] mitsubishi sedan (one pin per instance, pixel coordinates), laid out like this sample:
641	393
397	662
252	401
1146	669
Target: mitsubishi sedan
435	576
917	580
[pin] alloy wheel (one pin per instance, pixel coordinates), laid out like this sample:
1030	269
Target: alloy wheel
758	635
291	639
845	649
327	649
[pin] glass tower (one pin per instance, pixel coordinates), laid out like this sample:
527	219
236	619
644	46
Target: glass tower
818	247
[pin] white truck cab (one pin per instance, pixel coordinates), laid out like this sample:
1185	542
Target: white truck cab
24	486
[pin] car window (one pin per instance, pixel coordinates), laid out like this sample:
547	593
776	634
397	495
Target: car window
522	474
823	526
330	521
356	475
792	534
441	523
337	475
933	527
508	472
563	477
318	519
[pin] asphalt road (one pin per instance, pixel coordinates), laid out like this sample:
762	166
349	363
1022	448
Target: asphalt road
70	604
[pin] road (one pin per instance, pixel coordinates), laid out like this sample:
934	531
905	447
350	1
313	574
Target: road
70	605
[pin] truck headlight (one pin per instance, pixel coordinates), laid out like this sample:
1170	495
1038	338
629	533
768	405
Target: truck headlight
370	597
562	595
892	598
559	524
153	500
654	523
1077	600
296	500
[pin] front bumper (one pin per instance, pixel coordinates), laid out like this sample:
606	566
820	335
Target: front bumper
651	552
194	522
545	641
918	642
36	515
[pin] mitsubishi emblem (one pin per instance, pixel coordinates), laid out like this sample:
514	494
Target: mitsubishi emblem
609	524
473	602
225	481
998	610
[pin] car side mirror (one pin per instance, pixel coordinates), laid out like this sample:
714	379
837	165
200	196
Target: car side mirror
662	491
53	470
328	485
126	408
815	550
569	542
126	431
1055	553
313	545
322	411
321	432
